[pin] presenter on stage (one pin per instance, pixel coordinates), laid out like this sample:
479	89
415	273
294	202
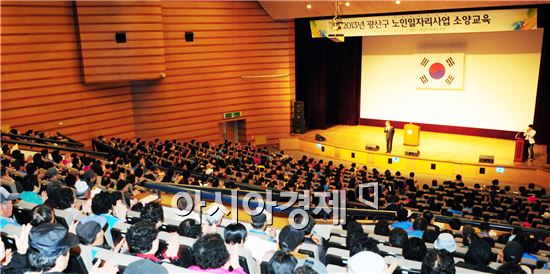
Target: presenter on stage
389	130
529	134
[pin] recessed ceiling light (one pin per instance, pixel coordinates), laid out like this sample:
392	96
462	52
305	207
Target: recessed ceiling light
308	6
397	2
347	4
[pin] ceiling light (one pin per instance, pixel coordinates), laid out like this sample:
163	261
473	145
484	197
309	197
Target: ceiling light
397	2
308	6
347	4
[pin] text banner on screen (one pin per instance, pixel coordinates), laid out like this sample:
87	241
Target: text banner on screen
428	23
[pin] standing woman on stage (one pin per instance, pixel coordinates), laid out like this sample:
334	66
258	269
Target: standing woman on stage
389	130
529	134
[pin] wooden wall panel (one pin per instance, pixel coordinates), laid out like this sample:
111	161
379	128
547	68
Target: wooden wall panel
42	86
232	39
43	81
141	57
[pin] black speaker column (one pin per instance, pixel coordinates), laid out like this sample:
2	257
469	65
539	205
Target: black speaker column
298	120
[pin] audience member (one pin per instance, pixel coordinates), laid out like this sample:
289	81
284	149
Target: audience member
144	266
478	257
382	228
429	217
152	212
49	246
509	268
485	234
235	234
282	263
430	236
311	238
438	262
259	241
6	210
143	241
31	188
91	230
455	224
445	241
42	215
190	228
414	249
419	226
211	255
368	261
402	220
364	243
397	238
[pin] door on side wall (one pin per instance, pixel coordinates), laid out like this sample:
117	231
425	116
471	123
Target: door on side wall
233	131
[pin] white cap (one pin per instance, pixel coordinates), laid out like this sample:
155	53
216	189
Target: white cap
81	188
366	262
445	241
215	213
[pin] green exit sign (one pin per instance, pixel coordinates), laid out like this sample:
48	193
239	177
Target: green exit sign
230	115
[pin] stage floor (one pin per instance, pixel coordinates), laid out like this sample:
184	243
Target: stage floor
433	146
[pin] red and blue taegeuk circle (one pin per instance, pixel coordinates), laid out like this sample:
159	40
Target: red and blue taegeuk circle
437	70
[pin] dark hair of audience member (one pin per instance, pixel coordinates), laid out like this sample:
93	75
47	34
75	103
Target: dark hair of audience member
115	196
398	236
235	233
137	207
153	213
428	216
355	230
190	228
382	227
510	268
479	253
420	224
414	249
209	251
468	235
101	203
281	263
438	262
528	244
53	190
363	243
140	237
121	184
455	224
66	198
29	182
42	214
430	236
106	181
70	180
38	262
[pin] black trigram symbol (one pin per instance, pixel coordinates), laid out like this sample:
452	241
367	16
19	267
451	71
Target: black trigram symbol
450	61
424	79
424	62
449	79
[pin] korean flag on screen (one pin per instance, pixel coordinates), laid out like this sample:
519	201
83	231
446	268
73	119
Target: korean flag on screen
439	71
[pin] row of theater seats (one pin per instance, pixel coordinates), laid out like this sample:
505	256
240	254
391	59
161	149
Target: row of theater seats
82	262
337	253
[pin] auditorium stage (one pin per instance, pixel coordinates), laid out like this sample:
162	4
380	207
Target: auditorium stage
440	153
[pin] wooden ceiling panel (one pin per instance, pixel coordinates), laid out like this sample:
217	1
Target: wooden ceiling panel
284	10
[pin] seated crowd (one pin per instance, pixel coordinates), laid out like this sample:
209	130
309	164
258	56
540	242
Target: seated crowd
83	207
35	136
